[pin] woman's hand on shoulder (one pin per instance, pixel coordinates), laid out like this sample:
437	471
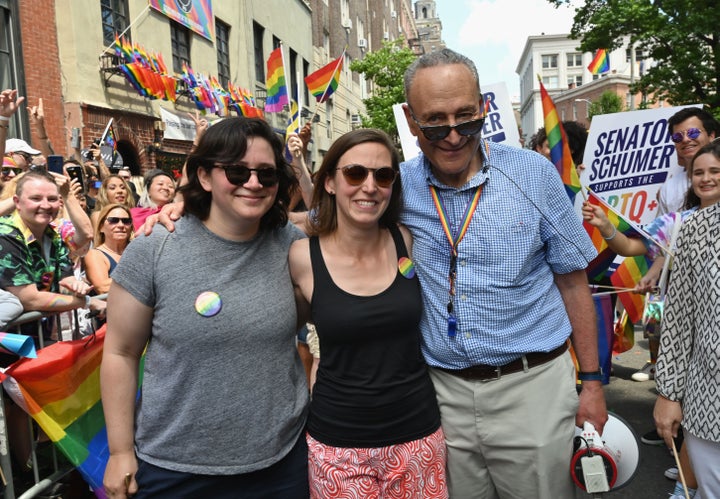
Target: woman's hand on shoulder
169	214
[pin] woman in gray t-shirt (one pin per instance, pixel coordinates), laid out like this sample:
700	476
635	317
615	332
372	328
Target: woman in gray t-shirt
224	397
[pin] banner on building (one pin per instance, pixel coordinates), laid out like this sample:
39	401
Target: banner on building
500	124
195	14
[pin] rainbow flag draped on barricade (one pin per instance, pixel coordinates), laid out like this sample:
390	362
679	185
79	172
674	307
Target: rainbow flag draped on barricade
323	82
277	95
559	147
60	389
600	63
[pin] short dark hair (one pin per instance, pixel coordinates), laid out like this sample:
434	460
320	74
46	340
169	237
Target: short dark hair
577	136
323	208
709	122
538	139
225	142
692	199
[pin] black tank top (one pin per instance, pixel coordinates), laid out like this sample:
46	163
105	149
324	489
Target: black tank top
373	388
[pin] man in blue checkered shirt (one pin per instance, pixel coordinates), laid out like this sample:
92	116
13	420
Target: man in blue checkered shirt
501	255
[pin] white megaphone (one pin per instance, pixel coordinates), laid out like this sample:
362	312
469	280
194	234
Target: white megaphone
601	464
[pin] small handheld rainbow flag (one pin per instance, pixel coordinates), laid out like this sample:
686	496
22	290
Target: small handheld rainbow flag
627	275
323	82
559	148
600	63
277	95
293	126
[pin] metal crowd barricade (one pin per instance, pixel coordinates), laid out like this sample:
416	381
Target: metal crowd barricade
6	475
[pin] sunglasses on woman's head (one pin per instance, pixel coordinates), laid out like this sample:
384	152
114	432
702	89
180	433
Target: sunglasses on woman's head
117	220
240	174
356	175
692	134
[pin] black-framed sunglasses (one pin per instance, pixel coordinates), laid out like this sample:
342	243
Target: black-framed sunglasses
117	220
692	134
356	175
7	170
240	174
439	132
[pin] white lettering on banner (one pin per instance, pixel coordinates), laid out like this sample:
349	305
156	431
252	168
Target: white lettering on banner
628	157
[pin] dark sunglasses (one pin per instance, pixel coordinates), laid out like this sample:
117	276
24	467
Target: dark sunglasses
7	170
117	220
239	175
356	175
439	132
692	134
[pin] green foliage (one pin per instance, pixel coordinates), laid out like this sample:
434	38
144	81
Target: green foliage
385	68
609	102
681	36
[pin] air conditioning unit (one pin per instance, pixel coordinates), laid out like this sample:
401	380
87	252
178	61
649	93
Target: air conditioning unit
355	119
393	14
362	43
386	35
347	23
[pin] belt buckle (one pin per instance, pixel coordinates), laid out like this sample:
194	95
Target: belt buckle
498	374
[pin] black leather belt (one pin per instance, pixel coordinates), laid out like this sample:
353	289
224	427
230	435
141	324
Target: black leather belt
484	372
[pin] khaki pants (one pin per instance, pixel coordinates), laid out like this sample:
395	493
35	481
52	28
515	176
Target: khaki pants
510	438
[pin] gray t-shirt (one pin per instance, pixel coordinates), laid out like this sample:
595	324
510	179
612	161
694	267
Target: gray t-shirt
226	393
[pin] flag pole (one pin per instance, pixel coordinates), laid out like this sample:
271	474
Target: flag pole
147	7
340	61
298	79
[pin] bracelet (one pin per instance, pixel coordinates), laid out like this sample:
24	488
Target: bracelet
4	118
590	376
611	236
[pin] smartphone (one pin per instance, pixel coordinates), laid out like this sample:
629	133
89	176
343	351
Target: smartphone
75	171
55	164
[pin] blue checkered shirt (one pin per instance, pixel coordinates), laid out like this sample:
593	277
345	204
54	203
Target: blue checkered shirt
524	230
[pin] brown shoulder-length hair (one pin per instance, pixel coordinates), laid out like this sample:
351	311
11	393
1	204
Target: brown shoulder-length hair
99	238
323	211
692	199
227	142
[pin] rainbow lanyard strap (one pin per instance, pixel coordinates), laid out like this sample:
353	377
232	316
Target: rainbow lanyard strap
454	240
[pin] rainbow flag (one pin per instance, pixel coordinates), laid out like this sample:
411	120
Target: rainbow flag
293	125
277	95
604	317
323	82
60	389
598	267
559	146
624	334
627	275
17	344
600	63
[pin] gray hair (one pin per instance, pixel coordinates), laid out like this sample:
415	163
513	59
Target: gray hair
438	58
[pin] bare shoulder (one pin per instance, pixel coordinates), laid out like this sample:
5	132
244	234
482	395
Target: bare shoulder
299	256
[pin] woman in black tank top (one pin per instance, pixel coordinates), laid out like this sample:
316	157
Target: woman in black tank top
374	423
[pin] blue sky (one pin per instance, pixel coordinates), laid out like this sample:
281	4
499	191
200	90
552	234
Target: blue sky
493	32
